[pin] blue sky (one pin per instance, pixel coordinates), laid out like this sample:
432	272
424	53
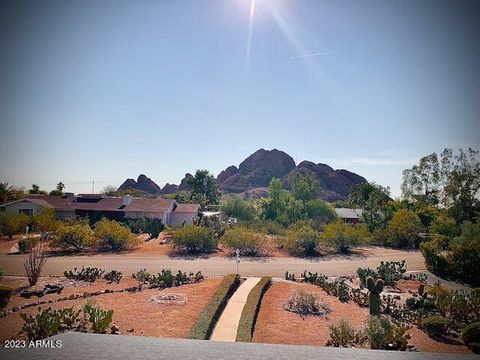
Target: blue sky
107	90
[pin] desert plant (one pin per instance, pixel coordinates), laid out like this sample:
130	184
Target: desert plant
305	304
436	325
194	239
471	336
12	223
88	274
44	324
34	263
363	273
142	276
27	243
302	241
76	237
69	318
111	235
290	276
5	293
208	317
391	271
342	334
343	236
247	241
99	318
113	276
387	335
374	288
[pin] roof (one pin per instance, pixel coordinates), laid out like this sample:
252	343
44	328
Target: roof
187	208
149	205
346	213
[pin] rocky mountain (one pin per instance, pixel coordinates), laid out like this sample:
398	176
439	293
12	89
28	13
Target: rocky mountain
253	175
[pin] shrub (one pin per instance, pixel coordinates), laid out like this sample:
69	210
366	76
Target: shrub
306	304
436	325
45	222
459	305
2	272
5	293
471	337
111	235
11	223
246	325
247	241
344	236
403	229
26	244
363	273
142	276
45	324
207	319
88	274
194	239
304	241
75	237
434	259
391	271
342	334
464	255
34	263
421	304
113	276
387	335
99	318
236	207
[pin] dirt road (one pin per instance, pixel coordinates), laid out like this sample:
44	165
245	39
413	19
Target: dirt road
275	266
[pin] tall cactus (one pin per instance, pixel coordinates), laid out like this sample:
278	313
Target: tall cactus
374	288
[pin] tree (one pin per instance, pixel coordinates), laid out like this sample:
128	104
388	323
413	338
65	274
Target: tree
204	188
464	255
422	181
36	190
304	187
10	193
373	199
404	228
11	223
236	207
77	236
109	190
320	211
280	205
59	189
45	222
344	236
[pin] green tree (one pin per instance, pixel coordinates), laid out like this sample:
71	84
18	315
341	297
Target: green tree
10	193
11	223
45	222
422	181
110	190
76	237
320	212
234	206
444	225
404	228
204	188
59	189
36	190
344	236
280	205
304	187
373	199
464	255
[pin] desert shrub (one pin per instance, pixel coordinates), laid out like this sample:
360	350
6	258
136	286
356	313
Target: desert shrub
305	304
88	274
142	276
100	319
26	244
304	241
76	237
111	235
5	293
435	261
268	227
363	273
464	254
113	276
45	222
34	263
247	241
462	306
234	206
342	334
436	325
154	228
391	271
194	239
420	304
12	223
320	212
387	335
44	324
471	336
343	236
250	311
403	229
208	317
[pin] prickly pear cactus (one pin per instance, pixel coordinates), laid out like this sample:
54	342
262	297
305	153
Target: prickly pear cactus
374	288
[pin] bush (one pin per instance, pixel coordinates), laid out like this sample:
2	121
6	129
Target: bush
246	325
45	324
247	241
2	272
403	229
76	237
344	236
88	274
111	235
194	239
306	304
268	227
207	319
342	334
11	223
436	325
236	207
99	318
45	222
387	335
434	260
142	276
26	244
113	276
464	255
5	293
471	337
304	241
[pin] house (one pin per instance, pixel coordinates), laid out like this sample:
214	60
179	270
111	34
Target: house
350	216
97	206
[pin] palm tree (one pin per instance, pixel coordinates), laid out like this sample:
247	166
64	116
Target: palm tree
6	192
361	194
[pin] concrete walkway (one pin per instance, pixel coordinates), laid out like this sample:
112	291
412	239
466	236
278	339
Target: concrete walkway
227	325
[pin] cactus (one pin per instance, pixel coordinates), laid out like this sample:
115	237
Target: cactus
374	288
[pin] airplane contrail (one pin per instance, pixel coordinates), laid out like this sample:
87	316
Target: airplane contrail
314	54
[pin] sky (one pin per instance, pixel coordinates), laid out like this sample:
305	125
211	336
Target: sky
106	90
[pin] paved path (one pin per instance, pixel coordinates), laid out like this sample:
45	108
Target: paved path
78	346
227	325
216	265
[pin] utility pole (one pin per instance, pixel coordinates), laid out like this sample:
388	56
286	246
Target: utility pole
93	187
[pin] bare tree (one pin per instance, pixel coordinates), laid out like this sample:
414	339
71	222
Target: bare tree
34	263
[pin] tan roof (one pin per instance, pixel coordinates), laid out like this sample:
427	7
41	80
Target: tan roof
149	205
187	208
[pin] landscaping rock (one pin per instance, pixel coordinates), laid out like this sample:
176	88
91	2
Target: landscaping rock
115	330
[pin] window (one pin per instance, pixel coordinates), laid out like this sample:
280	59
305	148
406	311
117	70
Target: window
28	212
